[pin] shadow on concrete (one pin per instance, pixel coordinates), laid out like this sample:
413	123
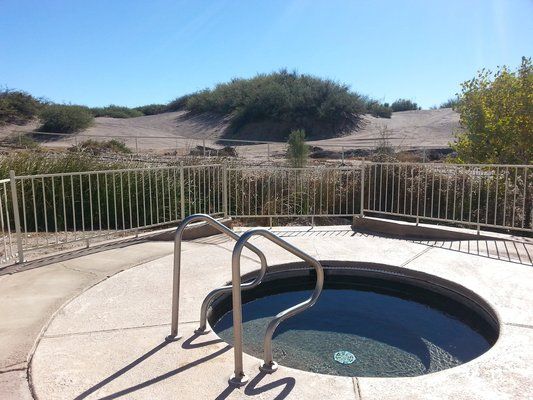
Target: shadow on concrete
70	254
188	344
122	371
133	364
252	388
503	250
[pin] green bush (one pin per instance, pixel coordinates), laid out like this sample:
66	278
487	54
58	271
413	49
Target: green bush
450	103
114	111
152	109
179	103
404	105
297	151
287	99
496	115
59	118
378	110
17	107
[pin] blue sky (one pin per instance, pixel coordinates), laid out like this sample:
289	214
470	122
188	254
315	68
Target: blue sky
132	53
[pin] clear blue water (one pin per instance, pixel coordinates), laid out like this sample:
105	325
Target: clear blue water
392	330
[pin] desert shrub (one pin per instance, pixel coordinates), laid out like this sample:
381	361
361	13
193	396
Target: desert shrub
384	151
179	103
297	150
24	141
95	147
403	105
61	118
30	163
114	111
17	107
289	100
496	113
378	110
152	109
450	103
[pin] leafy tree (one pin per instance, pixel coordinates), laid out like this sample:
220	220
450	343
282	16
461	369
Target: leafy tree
496	113
298	150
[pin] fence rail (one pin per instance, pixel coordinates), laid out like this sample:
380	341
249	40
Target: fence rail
499	196
54	210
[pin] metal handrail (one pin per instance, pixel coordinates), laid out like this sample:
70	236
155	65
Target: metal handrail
177	268
239	378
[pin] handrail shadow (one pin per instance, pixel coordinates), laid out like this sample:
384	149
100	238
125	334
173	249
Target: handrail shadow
521	255
252	388
186	345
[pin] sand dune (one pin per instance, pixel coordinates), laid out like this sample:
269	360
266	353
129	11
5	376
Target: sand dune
408	129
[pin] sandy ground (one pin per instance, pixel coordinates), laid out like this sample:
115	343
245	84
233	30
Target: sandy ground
408	129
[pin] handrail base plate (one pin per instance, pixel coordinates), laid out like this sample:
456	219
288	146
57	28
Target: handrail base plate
238	381
172	338
269	368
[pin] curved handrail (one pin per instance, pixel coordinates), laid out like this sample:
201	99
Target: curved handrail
177	268
239	378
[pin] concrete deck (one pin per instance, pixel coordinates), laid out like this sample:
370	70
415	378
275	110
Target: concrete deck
108	342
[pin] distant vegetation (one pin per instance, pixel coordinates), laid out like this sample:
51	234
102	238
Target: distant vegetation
17	107
285	100
267	106
152	109
96	147
377	109
297	150
61	118
29	163
496	113
404	105
450	103
114	111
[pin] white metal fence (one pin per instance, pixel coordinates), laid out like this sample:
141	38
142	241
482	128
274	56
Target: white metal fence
478	195
294	192
58	210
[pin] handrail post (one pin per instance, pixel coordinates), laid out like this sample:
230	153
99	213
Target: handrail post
16	214
225	190
239	378
177	269
182	191
362	214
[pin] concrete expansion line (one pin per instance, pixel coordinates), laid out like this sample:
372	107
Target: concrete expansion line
416	256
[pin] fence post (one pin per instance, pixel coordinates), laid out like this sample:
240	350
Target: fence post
182	191
16	215
224	190
362	214
268	151
203	146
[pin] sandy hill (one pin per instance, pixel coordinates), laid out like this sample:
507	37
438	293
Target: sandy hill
423	128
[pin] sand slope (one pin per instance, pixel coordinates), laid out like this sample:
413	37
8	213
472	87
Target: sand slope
424	128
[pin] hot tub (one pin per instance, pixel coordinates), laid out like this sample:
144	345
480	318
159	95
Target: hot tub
370	320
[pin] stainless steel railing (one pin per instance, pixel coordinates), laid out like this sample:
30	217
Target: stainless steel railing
177	269
239	378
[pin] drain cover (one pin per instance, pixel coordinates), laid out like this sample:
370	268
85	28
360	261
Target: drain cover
344	357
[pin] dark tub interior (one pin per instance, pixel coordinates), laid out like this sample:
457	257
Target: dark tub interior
362	325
